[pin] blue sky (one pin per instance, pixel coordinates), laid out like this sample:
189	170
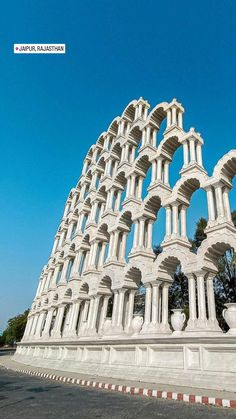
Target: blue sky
53	107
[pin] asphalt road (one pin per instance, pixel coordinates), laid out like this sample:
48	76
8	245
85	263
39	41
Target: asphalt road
27	397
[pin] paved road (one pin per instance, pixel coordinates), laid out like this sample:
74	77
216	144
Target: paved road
27	397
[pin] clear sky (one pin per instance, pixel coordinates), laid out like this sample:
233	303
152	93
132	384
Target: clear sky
53	107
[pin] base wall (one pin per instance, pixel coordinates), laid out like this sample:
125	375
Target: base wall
208	363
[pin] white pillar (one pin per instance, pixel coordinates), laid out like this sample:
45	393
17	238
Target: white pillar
227	204
122	292
102	254
58	323
201	298
95	312
192	301
186	154
110	245
103	311
154	170
136	233
159	169
148	303
180	119
40	324
128	187
154	137
166	172
174	114
199	153
133	154
149	234
64	270
123	246
132	186
211	205
47	326
140	185
140	110
175	219
118	199
115	244
165	291
94	253
114	310
148	129
192	150
183	221
130	310
74	317
168	221
168	118
219	201
84	316
211	300
141	231
90	314
155	302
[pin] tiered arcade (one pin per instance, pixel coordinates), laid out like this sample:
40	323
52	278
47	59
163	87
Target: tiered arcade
90	271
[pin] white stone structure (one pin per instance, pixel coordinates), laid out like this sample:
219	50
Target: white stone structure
68	327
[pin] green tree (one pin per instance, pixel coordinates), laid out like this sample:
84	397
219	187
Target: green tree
15	329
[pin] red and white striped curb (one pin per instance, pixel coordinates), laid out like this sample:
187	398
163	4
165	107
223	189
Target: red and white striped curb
189	398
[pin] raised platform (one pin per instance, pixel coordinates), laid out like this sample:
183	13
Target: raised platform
206	362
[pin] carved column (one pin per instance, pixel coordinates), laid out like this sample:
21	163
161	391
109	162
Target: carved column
227	204
103	311
47	326
164	321
192	302
148	305
128	327
202	319
72	332
213	322
56	332
155	303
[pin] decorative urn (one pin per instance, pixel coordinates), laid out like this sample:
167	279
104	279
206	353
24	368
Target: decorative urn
107	325
229	314
137	323
177	320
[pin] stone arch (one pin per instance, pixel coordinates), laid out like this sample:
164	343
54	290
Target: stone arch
116	150
101	164
158	114
68	293
226	166
152	204
120	179
135	135
104	286
129	111
55	298
133	276
125	220
86	241
90	153
45	301
167	262
101	139
187	185
84	290
213	247
103	232
169	145
113	127
142	164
